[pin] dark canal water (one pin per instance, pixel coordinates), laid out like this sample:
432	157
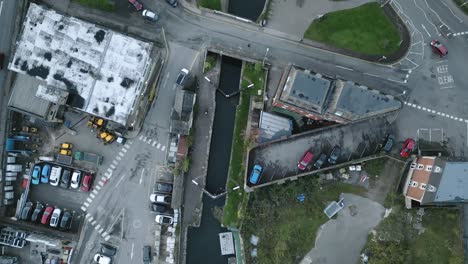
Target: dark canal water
203	242
250	9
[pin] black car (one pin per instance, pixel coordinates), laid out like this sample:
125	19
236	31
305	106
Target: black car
66	221
65	180
146	254
163	187
321	160
388	143
173	3
37	214
27	211
160	208
108	250
334	155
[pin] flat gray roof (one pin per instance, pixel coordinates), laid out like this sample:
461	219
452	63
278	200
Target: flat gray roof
356	102
23	97
453	186
306	90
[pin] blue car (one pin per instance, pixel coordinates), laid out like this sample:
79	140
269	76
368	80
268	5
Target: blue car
255	175
35	175
45	173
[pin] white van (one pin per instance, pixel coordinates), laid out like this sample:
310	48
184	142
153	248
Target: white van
55	174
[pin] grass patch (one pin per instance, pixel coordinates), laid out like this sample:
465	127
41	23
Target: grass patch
104	5
462	4
287	228
235	201
365	29
210	4
210	62
399	242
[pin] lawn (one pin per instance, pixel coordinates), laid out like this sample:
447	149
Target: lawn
253	73
287	228
365	29
463	5
210	4
105	5
399	242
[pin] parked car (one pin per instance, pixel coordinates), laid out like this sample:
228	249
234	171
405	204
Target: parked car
255	174
35	175
147	254
137	5
388	143
75	179
102	259
47	215
164	219
320	161
65	223
55	174
160	198
173	3
27	211
65	180
45	173
54	221
334	155
36	216
438	48
150	15
87	182
161	208
408	147
182	76
163	187
305	160
108	250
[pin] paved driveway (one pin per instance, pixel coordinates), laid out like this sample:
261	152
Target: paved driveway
294	16
340	240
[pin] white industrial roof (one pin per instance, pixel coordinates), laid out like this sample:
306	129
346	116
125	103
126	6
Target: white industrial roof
103	71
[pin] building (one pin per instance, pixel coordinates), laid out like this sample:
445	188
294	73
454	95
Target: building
79	65
435	181
302	93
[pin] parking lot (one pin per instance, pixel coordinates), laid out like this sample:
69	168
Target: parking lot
279	159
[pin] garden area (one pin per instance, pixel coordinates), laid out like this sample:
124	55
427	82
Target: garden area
432	235
286	228
365	29
252	74
105	5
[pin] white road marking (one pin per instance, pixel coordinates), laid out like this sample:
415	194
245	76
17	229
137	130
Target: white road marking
141	175
154	143
344	68
158	146
98	187
131	254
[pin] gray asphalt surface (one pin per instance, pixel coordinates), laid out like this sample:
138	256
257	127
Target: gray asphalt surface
340	240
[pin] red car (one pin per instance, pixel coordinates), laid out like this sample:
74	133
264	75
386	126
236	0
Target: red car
87	182
438	48
47	215
305	160
408	147
138	6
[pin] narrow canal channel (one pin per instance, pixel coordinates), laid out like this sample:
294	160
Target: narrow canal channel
250	9
203	242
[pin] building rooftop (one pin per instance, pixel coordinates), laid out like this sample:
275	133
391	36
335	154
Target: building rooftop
355	102
306	90
103	71
453	184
